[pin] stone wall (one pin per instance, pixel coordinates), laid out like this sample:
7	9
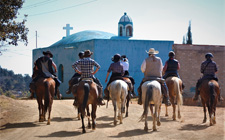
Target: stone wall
190	58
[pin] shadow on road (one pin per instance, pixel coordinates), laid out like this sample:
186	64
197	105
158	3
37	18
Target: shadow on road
63	134
60	119
195	127
18	125
131	133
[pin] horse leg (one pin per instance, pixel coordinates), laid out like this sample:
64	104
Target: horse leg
83	127
154	118
121	107
166	111
78	113
174	111
115	108
88	116
158	117
127	105
50	109
93	116
40	110
204	109
179	114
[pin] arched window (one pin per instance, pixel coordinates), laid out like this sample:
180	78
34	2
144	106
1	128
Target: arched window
61	73
121	31
129	31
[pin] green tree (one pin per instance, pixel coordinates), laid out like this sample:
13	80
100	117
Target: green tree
11	29
189	34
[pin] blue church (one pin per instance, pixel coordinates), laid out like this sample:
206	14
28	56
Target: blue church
104	45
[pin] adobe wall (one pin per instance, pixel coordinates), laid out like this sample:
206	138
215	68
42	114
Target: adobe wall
190	58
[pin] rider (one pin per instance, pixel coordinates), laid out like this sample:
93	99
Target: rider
44	66
171	67
125	63
152	69
86	70
208	69
117	73
76	76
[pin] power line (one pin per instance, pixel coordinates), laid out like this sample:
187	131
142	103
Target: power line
62	9
38	4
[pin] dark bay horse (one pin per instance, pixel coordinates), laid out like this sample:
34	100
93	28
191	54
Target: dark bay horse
86	93
174	85
209	92
45	90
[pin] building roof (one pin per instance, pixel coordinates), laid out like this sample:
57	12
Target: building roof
125	18
83	36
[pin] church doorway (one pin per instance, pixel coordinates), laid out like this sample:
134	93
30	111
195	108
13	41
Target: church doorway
61	73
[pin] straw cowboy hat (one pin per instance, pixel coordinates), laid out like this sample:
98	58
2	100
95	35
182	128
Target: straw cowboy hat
48	52
152	51
87	53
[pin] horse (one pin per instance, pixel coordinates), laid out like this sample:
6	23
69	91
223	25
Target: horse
45	91
151	95
209	92
118	91
86	93
174	85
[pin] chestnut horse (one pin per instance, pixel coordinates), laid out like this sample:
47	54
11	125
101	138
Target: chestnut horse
45	90
151	96
174	85
86	93
209	92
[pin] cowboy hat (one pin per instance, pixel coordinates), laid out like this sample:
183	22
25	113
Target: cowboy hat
87	53
116	57
152	51
48	52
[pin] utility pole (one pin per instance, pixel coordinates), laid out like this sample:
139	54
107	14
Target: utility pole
36	39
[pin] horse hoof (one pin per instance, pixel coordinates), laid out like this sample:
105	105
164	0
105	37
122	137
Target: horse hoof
84	131
146	129
115	122
48	123
89	126
158	123
166	115
121	122
126	115
154	129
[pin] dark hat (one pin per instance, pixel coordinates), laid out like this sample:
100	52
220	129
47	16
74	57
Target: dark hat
116	57
171	54
208	55
81	54
48	52
123	56
87	53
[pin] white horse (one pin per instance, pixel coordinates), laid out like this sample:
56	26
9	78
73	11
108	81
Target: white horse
118	91
174	85
151	94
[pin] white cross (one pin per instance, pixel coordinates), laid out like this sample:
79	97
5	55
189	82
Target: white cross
68	28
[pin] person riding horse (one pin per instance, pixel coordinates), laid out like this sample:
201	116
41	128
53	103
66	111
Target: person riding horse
152	69
171	67
117	74
44	66
125	63
75	78
86	66
208	69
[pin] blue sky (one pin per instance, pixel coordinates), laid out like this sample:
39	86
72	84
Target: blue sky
152	20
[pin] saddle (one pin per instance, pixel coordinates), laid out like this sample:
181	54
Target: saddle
150	78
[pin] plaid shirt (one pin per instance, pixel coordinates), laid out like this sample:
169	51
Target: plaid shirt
116	68
86	66
210	69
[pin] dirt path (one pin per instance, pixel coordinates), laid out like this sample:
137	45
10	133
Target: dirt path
22	124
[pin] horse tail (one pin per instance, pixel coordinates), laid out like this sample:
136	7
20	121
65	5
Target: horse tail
148	97
47	92
86	94
179	94
212	94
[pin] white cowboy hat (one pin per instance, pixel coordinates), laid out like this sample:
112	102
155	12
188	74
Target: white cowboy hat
152	51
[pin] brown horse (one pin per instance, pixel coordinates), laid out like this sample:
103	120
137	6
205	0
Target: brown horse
209	92
86	93
45	90
175	92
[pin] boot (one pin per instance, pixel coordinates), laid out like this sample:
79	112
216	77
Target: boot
166	98
106	92
139	96
196	97
100	99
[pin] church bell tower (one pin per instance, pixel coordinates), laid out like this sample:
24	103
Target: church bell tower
125	26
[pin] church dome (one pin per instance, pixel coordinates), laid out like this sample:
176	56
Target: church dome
125	18
83	36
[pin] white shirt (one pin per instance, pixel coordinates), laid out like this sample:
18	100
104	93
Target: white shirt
125	65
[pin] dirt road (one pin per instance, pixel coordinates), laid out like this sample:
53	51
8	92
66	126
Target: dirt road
19	121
